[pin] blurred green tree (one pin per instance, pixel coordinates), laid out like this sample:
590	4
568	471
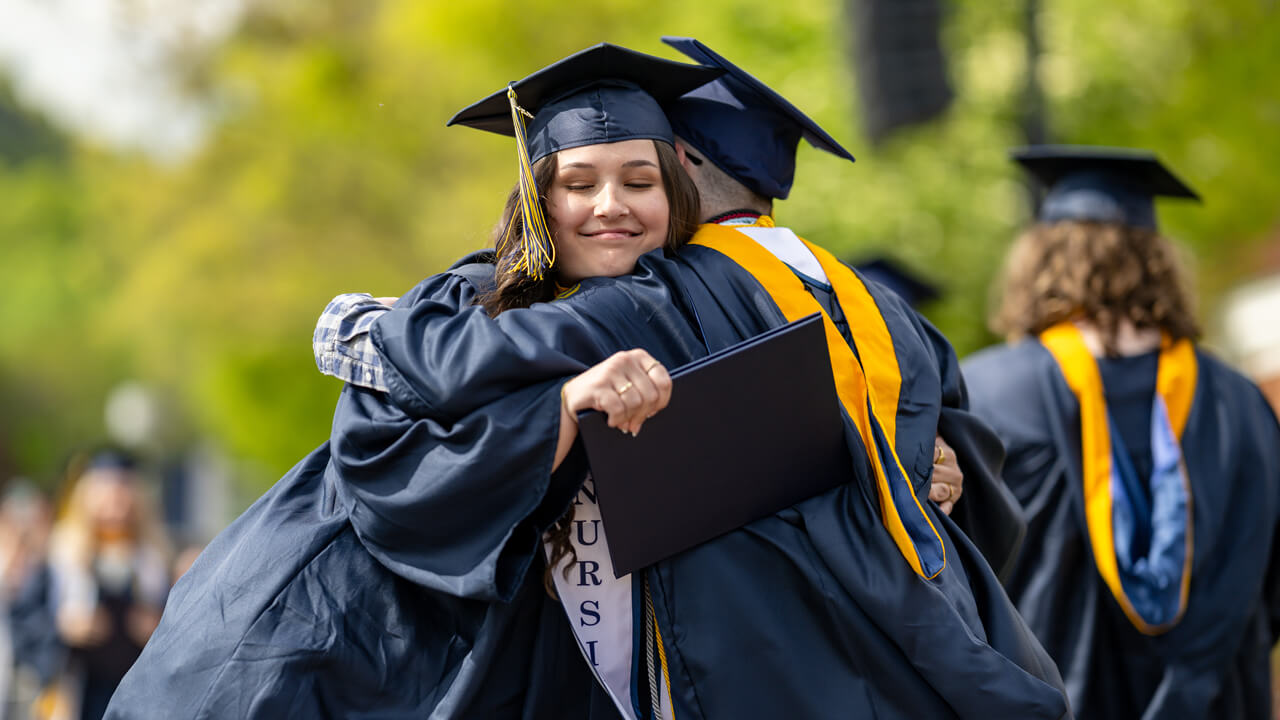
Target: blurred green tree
329	170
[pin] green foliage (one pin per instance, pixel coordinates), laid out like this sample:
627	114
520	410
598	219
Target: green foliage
329	169
53	368
1188	82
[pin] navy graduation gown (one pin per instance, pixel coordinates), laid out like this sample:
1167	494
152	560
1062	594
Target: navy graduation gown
988	513
392	573
1214	662
806	613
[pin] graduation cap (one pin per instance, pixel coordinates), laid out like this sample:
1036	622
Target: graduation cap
114	463
913	288
1100	184
603	94
111	458
743	126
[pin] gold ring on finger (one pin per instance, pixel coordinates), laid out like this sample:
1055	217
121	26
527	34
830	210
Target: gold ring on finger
625	387
939	455
652	365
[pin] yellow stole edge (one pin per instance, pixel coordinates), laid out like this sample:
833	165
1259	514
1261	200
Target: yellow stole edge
875	344
1176	383
662	661
564	292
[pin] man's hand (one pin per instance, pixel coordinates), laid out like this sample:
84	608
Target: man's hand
948	481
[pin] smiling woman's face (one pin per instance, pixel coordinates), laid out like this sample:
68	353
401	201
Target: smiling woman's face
607	207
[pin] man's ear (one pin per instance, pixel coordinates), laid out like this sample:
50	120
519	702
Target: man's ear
684	158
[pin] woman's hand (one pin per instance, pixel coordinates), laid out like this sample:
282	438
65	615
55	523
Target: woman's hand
948	481
629	387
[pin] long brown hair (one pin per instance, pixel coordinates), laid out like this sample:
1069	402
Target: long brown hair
1102	273
516	290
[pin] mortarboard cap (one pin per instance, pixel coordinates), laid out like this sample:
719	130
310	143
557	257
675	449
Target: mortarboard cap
1100	184
744	126
111	458
913	288
604	94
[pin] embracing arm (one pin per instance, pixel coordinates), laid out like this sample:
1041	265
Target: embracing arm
344	350
445	361
341	342
451	476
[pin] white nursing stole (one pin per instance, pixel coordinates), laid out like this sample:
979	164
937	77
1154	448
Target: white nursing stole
599	606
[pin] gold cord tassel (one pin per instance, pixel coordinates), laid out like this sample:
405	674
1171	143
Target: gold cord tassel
537	251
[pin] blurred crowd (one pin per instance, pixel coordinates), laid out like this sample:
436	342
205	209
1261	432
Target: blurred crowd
83	579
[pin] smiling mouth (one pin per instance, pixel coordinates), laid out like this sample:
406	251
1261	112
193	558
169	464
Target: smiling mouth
607	234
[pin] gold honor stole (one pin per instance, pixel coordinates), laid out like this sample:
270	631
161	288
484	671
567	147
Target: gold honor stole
871	400
1175	389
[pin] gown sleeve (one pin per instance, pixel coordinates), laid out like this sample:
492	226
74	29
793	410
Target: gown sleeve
444	361
456	505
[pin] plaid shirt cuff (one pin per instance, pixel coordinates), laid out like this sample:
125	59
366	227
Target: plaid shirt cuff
342	345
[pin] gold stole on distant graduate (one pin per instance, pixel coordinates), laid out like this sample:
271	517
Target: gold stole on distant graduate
870	399
1175	387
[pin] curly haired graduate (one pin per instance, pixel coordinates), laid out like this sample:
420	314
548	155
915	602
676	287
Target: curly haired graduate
1149	469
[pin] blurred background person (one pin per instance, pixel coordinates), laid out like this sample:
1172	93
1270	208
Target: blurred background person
25	517
183	560
102	589
1148	468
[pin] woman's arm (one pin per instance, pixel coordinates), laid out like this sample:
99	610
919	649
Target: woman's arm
629	387
451	477
444	361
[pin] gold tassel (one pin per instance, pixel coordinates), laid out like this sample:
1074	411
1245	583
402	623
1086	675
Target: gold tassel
537	251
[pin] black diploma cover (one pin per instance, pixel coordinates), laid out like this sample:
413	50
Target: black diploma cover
750	430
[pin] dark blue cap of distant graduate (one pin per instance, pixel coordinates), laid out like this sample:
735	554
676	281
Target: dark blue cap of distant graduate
1100	184
603	94
743	126
107	458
